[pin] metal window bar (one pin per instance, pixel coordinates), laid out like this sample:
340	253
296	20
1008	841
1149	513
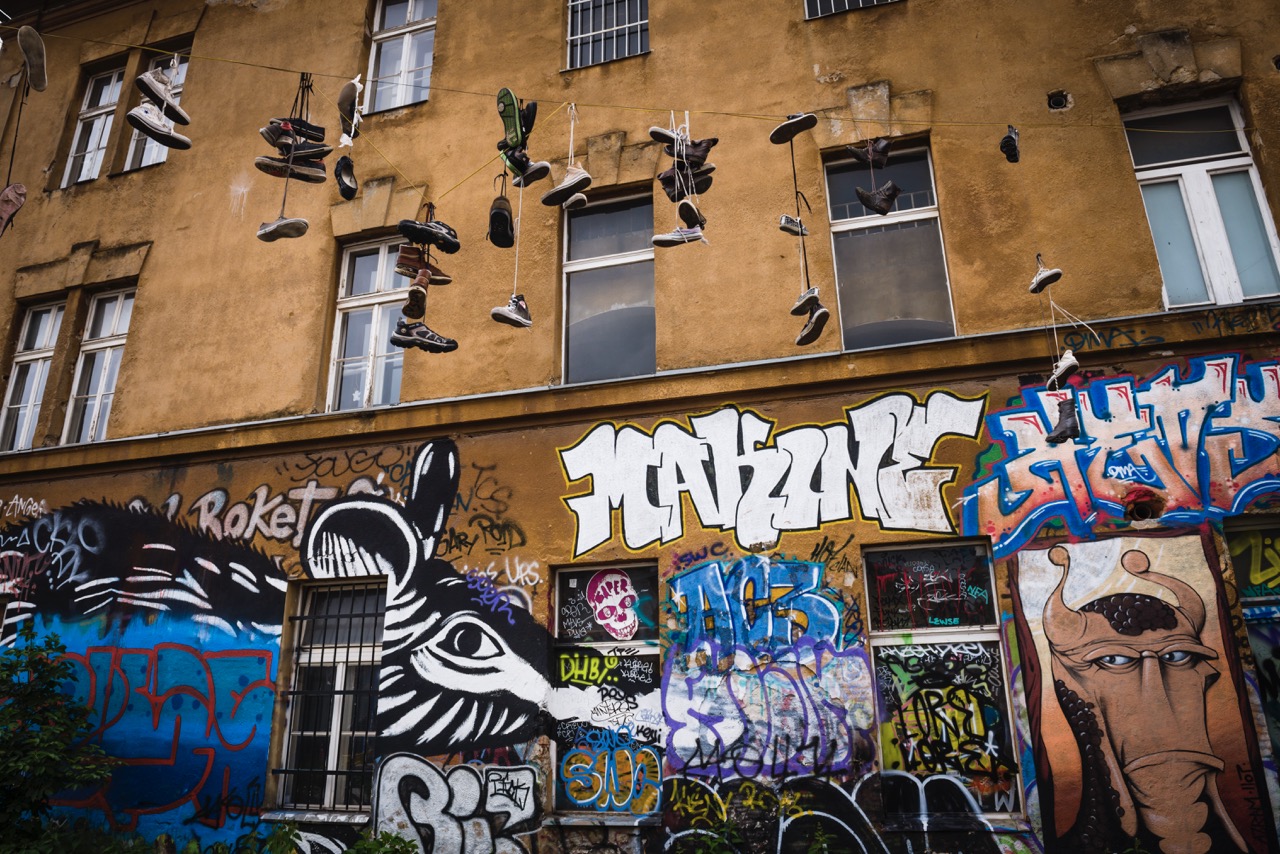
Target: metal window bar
604	30
822	8
331	741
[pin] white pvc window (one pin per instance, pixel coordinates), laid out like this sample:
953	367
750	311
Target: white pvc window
366	366
94	386
404	43
143	150
891	271
610	322
605	30
1213	233
93	127
30	372
822	8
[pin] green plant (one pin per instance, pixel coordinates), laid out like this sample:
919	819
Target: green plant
385	842
43	737
821	841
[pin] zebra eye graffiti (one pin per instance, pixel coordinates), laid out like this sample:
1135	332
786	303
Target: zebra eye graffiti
469	640
466	643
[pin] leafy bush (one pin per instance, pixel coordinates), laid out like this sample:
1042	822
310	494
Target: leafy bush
384	843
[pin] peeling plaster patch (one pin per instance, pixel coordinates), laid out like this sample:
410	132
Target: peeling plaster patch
239	196
832	77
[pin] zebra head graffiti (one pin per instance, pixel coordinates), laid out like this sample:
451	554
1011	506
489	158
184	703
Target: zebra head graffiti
451	674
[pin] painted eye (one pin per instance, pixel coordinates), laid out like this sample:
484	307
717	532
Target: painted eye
628	601
1116	660
469	640
1176	656
606	613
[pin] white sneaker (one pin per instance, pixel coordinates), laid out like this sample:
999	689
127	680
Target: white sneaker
514	313
807	300
575	181
1065	367
149	121
1044	277
155	85
791	225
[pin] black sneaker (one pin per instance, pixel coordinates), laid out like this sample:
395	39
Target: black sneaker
435	233
690	215
310	171
419	335
303	128
694	152
33	57
795	124
872	151
514	313
818	315
278	135
344	174
502	229
525	172
807	301
695	183
270	232
415	304
881	201
1068	426
528	115
304	150
1009	145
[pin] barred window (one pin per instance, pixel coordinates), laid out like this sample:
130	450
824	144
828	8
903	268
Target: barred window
330	746
822	8
604	30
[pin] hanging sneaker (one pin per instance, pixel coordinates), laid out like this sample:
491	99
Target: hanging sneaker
871	151
795	124
525	172
690	215
415	304
1009	145
1062	369
12	198
278	135
806	302
502	227
1044	277
155	84
269	232
419	335
509	112
33	57
690	183
150	122
679	237
881	201
302	128
791	225
528	115
575	180
1068	426
813	327
348	110
514	313
310	171
302	149
577	200
434	232
693	153
344	174
669	136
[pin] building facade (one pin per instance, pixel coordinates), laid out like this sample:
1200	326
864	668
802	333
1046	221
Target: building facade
650	574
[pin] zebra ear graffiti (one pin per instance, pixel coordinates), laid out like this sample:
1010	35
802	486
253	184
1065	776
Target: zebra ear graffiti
432	491
355	538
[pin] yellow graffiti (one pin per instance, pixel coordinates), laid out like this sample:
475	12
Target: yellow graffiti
1263	558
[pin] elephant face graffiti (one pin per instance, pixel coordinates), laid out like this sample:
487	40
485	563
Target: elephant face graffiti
613	599
1131	672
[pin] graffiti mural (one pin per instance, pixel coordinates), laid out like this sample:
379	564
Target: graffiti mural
929	588
1136	700
1183	449
739	476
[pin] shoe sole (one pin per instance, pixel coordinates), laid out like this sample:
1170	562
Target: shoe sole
509	112
813	331
417	233
535	172
802	306
516	320
415	305
1042	281
792	128
33	57
439	277
281	170
270	232
167	138
562	193
407	341
344	174
665	242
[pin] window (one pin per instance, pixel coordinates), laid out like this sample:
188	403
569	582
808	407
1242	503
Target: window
30	372
144	151
821	8
366	367
611	328
604	30
606	637
404	42
891	276
942	697
93	127
1255	557
1214	236
329	748
98	367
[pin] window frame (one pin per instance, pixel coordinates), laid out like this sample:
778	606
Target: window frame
1194	179
916	636
849	6
114	340
144	147
405	33
379	301
89	117
27	417
870	221
574	42
601	262
343	657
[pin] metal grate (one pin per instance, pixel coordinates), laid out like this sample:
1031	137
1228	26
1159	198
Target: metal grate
332	741
604	30
821	8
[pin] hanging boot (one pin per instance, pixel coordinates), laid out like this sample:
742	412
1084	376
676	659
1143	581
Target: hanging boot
1068	426
1009	145
881	201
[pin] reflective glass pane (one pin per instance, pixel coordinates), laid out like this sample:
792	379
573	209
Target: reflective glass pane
611	229
1247	234
104	90
351	385
82	409
42	328
424	9
611	323
1175	247
362	273
1182	136
421	47
98	429
104	311
356	327
892	282
91	373
126	314
395	13
909	170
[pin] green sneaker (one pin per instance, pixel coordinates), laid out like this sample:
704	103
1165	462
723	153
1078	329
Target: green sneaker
509	110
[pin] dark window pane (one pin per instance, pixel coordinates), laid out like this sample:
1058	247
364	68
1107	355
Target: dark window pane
929	588
1182	136
612	329
910	171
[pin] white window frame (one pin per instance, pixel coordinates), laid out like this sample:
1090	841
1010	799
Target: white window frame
380	301
113	340
94	120
143	150
619	33
984	633
405	34
824	8
1208	231
873	220
620	259
38	359
341	658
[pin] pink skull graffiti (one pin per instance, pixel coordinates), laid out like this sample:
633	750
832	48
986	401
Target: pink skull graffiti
612	597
